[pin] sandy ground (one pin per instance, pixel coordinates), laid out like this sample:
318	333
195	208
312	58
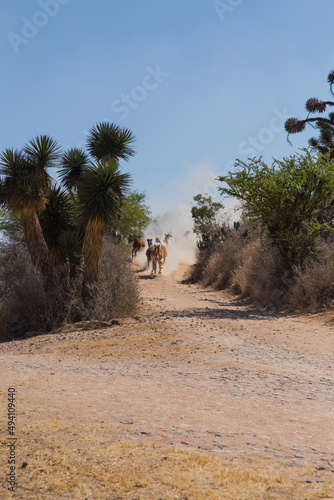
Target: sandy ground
198	370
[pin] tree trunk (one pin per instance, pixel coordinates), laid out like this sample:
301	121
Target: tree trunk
92	249
37	246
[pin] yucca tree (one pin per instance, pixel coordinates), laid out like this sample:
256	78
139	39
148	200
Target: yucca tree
325	141
102	189
24	187
43	153
71	246
107	142
73	163
60	215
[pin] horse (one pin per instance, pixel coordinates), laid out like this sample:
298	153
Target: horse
148	251
158	256
168	236
138	244
164	252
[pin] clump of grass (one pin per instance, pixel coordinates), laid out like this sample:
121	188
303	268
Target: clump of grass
312	288
221	263
198	268
260	274
215	263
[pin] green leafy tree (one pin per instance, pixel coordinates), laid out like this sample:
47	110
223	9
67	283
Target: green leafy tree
291	199
206	214
324	143
135	217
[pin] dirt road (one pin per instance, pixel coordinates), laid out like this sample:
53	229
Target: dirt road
197	378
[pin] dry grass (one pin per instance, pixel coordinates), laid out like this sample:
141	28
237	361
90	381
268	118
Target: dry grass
313	285
260	274
142	341
86	463
221	263
118	291
25	305
253	267
249	266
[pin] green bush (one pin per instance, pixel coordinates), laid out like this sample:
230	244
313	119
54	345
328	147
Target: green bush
291	200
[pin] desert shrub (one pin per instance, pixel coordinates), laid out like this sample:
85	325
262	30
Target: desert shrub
25	304
215	264
198	268
117	293
222	262
213	267
251	267
261	273
290	199
254	268
312	287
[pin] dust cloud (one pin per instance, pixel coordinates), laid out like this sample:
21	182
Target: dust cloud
181	246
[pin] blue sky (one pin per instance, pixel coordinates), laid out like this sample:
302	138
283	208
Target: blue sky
199	82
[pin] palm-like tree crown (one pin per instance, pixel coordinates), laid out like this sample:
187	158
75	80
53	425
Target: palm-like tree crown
102	189
22	188
43	152
74	163
57	217
108	142
70	244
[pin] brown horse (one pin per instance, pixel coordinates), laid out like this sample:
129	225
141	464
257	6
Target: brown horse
138	244
148	251
164	252
158	257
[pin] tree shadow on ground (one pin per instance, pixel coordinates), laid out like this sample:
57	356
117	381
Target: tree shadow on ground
220	313
244	308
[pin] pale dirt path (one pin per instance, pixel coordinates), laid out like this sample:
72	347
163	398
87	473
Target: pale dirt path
197	369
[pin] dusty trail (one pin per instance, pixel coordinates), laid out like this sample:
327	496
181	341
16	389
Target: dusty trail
197	369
